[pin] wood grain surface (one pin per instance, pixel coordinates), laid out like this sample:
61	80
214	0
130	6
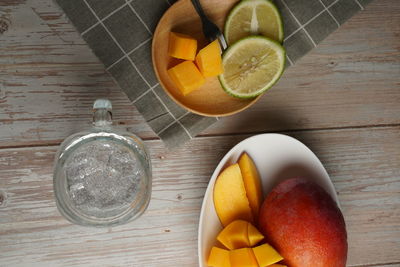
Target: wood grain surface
351	79
49	79
342	100
364	165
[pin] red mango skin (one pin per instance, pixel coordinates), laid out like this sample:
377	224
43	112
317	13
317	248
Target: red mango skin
304	224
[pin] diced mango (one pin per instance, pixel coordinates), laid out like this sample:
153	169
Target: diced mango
219	258
186	77
277	265
239	234
266	255
182	46
234	235
209	60
253	235
252	183
243	257
230	198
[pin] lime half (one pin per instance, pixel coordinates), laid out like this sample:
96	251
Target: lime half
254	17
251	66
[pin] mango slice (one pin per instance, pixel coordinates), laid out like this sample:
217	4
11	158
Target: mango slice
266	255
277	265
252	183
243	257
253	235
234	235
186	77
209	60
182	46
219	258
230	198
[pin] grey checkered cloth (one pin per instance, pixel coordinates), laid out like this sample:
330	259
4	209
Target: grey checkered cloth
120	32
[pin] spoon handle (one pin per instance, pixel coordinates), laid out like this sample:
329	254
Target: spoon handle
199	9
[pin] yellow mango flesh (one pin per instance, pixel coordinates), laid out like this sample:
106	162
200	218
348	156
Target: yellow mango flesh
243	257
230	198
186	77
266	255
209	60
277	265
239	234
219	258
252	183
234	235
253	235
182	46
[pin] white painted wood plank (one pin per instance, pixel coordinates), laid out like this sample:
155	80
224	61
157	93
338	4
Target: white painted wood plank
49	79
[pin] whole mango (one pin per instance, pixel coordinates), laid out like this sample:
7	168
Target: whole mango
304	224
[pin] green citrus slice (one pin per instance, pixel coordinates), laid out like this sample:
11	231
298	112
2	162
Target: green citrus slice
254	17
251	66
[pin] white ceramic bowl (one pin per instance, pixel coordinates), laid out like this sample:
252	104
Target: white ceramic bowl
277	157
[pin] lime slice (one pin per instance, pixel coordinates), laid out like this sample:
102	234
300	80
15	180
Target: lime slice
254	17
251	66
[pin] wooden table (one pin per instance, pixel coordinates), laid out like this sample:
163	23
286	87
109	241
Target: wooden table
342	100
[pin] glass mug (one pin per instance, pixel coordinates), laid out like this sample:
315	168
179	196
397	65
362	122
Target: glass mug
102	177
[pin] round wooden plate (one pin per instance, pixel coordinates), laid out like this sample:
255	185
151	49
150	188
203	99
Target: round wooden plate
209	100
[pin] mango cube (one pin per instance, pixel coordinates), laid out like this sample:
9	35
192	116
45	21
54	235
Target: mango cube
209	60
266	255
182	46
219	258
239	234
234	235
243	257
253	235
186	77
277	265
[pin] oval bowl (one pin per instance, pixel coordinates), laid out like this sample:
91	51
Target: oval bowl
277	157
210	99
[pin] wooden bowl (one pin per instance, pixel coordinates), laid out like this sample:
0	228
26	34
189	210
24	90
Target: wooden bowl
210	99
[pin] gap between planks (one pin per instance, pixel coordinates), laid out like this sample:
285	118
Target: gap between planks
378	126
373	126
386	264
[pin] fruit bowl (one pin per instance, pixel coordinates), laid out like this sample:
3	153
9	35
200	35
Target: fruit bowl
210	99
277	157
